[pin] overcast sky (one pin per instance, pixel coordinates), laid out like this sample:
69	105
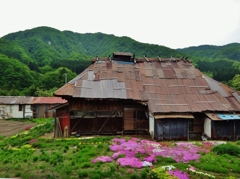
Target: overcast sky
172	23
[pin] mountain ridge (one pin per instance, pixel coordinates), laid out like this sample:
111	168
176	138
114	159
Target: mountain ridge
46	51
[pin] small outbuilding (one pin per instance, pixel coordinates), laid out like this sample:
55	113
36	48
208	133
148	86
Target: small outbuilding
28	107
167	98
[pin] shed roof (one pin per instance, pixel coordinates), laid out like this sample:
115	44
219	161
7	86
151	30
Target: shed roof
167	84
30	100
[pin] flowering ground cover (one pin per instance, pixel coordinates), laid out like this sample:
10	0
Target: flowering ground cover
137	153
28	155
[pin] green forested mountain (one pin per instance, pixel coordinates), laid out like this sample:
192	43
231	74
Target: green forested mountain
36	61
230	51
220	62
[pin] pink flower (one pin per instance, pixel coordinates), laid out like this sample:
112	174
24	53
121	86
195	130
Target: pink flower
130	161
27	128
191	168
102	159
32	141
179	174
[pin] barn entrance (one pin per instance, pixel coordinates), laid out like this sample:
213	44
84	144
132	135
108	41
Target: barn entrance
135	120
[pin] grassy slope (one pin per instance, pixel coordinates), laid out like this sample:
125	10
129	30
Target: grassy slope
63	158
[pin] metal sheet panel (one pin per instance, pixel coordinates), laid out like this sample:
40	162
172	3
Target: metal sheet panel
173	116
171	129
214	86
237	97
223	130
229	116
169	86
213	116
234	103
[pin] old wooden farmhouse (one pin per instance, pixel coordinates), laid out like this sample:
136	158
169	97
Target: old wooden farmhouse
167	98
28	107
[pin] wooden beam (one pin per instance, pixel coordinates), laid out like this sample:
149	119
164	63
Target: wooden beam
107	120
79	121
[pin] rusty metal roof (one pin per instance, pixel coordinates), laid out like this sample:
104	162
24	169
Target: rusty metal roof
167	84
48	100
9	100
15	100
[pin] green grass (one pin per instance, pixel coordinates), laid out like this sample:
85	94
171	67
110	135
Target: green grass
71	158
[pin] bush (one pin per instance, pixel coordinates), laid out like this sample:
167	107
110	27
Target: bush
159	173
134	176
35	158
144	174
227	149
82	174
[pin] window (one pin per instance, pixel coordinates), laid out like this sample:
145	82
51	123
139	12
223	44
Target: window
140	115
20	107
190	125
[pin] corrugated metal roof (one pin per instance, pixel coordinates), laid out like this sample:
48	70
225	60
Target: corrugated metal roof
220	117
229	116
168	85
16	99
48	100
164	116
30	100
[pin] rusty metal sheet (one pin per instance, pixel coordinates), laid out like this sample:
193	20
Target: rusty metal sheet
169	73
129	89
138	76
139	86
135	92
97	76
16	100
178	73
234	104
96	69
160	73
191	74
215	103
213	116
120	76
109	65
169	86
149	73
48	100
172	116
66	90
103	75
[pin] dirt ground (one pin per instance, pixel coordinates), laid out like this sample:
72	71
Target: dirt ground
10	127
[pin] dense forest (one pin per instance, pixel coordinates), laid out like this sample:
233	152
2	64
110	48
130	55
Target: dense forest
38	61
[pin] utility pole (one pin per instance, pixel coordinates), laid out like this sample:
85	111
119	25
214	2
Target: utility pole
65	77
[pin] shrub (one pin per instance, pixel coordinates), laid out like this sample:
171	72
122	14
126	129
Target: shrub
144	174
2	137
82	174
95	176
159	173
17	174
133	176
112	168
85	165
227	149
